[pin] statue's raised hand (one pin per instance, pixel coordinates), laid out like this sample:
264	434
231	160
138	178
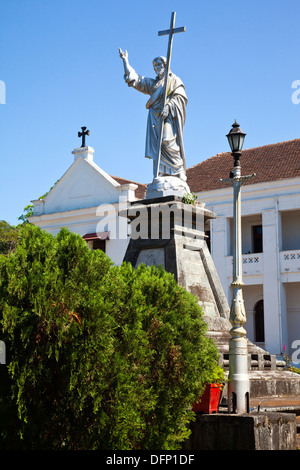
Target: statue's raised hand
123	55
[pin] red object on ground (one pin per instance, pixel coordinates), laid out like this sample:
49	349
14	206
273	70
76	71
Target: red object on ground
209	400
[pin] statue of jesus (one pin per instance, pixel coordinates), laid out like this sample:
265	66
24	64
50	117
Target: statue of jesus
172	161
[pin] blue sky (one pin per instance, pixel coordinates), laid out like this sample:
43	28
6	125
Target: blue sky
60	65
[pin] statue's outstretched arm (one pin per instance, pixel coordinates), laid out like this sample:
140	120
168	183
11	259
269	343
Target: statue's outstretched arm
130	73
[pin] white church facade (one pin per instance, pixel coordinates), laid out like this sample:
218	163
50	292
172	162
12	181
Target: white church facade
86	200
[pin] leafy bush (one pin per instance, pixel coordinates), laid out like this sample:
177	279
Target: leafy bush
189	198
8	237
98	356
288	362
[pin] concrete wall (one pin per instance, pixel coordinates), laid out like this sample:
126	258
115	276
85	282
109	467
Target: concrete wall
254	431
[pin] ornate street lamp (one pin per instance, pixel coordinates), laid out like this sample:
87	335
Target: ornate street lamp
238	385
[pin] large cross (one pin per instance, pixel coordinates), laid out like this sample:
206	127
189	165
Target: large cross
83	134
170	32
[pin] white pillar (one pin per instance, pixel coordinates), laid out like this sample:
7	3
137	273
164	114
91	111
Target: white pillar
219	248
272	297
284	323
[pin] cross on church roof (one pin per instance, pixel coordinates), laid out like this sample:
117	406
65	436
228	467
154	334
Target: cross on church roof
83	134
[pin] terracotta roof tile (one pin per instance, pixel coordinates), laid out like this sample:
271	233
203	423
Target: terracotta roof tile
269	162
139	192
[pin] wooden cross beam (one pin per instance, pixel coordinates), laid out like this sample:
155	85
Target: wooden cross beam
171	31
83	134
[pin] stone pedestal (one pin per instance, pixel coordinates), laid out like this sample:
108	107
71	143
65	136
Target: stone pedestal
167	232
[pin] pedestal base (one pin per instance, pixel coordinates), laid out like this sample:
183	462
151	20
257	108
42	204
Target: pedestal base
171	234
167	186
239	385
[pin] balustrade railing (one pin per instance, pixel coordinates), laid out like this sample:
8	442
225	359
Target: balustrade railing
252	264
290	261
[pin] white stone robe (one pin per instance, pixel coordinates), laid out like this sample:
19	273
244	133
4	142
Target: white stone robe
172	151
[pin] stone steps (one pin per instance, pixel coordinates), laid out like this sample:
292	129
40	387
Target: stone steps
258	358
271	385
274	383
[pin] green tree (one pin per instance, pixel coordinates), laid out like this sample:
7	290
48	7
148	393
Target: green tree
28	210
98	356
8	237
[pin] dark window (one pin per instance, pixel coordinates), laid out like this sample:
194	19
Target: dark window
207	239
259	322
257	238
99	244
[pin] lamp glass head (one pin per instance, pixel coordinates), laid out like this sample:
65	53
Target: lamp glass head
236	138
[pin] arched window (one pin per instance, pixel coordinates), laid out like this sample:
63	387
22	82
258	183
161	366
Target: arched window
259	323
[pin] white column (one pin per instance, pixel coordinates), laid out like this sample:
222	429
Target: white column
219	248
284	324
272	311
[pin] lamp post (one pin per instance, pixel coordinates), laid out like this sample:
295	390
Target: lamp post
238	385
